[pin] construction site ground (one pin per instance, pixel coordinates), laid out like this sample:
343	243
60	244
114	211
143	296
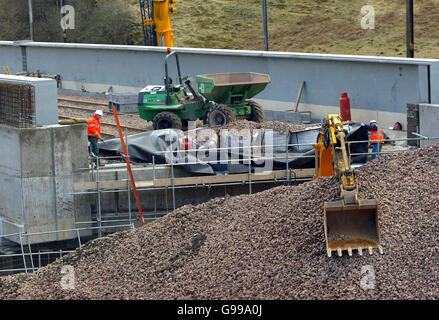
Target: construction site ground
268	245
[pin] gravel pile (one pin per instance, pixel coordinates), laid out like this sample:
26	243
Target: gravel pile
268	245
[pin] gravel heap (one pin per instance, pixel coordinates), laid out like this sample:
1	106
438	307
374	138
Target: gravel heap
268	245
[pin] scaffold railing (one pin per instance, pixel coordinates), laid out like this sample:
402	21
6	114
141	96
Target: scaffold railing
31	260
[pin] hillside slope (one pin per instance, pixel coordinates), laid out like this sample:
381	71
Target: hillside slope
323	26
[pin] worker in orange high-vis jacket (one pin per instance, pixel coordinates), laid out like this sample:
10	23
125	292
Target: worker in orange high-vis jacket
94	131
376	137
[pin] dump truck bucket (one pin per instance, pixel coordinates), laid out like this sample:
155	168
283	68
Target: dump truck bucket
352	227
220	87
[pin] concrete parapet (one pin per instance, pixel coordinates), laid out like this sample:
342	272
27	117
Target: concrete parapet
36	181
422	118
428	123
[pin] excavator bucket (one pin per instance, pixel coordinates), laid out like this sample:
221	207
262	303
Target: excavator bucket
352	227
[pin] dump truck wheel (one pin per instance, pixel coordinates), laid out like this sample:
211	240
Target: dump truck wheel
206	118
258	114
167	120
220	115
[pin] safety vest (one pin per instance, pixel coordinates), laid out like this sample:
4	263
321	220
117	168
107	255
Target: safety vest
94	127
377	135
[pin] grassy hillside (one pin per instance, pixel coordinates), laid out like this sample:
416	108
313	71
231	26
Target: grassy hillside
324	26
321	26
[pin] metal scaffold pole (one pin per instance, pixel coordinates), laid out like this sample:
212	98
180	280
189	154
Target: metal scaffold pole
249	161
153	179
172	180
99	217
264	23
287	167
410	30
30	253
31	21
22	252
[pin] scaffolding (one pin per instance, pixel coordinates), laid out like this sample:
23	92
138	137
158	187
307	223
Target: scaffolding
28	260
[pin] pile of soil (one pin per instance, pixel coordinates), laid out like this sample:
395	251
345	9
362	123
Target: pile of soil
268	245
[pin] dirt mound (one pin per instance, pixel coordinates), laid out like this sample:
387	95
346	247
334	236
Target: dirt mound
268	245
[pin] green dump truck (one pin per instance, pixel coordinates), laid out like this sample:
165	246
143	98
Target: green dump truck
219	99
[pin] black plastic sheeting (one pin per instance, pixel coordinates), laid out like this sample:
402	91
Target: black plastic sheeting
168	144
144	146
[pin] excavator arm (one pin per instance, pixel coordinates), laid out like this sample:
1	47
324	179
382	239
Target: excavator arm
350	224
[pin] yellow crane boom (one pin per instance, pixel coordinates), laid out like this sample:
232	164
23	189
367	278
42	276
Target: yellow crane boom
156	18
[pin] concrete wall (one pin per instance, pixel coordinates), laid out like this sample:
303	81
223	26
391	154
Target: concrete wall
45	94
379	87
10	56
429	123
36	180
11	198
412	123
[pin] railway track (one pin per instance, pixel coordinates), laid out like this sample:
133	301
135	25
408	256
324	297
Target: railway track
82	102
83	120
62	105
79	111
105	125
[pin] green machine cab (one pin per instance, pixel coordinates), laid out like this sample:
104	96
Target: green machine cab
221	98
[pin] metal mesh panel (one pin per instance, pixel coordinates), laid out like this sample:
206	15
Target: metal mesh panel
14	263
17	105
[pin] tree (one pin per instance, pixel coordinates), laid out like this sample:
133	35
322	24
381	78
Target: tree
96	21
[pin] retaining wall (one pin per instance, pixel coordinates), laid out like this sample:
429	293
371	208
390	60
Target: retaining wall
37	170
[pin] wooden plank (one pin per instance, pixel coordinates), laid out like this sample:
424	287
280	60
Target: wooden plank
103	185
200	180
